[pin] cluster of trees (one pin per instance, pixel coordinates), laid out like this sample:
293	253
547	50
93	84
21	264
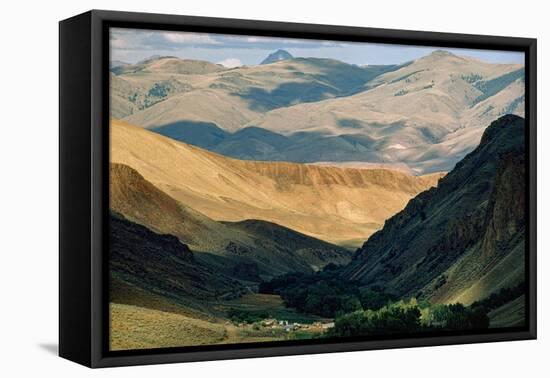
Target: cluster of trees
387	320
324	293
455	317
409	317
360	311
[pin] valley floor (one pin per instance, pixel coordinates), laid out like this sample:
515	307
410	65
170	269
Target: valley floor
151	322
161	324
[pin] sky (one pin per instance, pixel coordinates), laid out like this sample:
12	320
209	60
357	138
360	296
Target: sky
133	45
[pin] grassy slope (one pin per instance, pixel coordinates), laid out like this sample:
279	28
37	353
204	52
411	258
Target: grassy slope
512	314
504	273
135	327
141	319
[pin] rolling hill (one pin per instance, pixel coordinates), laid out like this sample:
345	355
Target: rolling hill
437	91
241	94
463	240
338	205
428	114
167	65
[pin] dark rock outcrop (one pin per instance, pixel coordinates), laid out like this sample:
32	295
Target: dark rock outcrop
162	265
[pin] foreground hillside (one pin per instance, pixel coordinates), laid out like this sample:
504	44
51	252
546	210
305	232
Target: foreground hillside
463	240
162	294
339	205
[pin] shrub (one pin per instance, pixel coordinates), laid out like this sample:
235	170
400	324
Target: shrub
456	317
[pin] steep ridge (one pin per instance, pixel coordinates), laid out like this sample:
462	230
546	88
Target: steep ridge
267	249
329	203
462	240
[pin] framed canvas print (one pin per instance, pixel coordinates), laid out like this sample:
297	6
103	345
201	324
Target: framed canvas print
234	188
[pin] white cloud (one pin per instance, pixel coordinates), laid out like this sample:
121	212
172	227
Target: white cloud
231	63
254	39
118	43
334	44
188	38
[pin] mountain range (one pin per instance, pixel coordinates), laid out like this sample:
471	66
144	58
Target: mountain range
424	115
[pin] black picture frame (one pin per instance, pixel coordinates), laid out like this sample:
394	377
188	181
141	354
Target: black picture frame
83	181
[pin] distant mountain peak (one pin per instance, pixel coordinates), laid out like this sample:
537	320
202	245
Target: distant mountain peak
440	54
277	56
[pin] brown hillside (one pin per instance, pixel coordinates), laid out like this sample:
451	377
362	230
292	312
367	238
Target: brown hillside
330	203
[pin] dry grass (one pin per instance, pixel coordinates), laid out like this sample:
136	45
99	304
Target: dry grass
122	292
154	322
134	327
144	320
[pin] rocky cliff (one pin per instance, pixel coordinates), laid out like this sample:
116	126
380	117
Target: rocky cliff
463	239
